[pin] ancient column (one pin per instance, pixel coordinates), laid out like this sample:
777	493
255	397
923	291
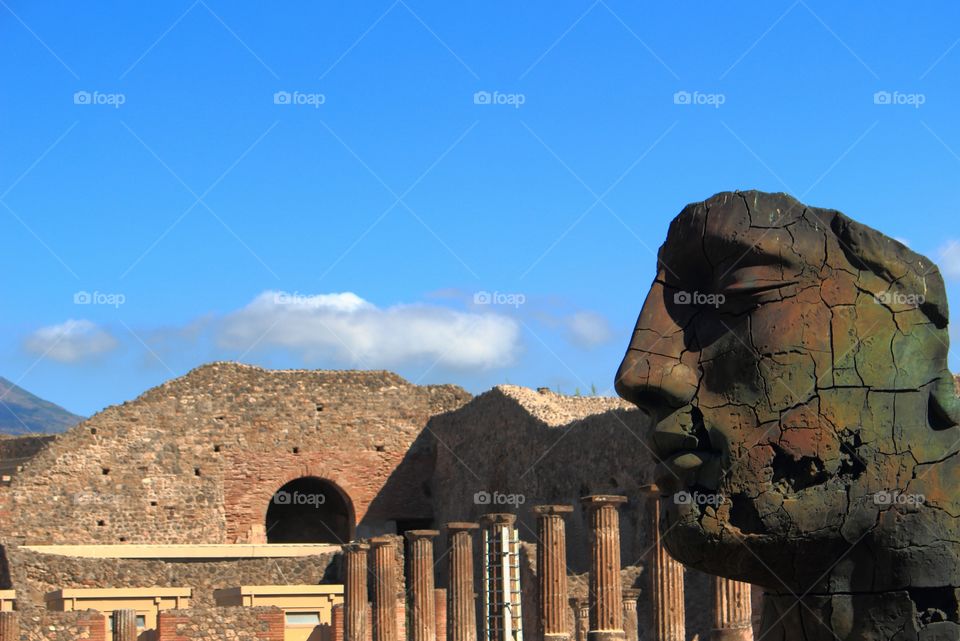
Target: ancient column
440	612
125	625
732	611
422	605
502	607
462	608
552	571
581	617
606	598
355	592
631	627
9	626
384	556
666	582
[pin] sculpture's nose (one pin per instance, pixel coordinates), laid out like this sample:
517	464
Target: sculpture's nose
652	374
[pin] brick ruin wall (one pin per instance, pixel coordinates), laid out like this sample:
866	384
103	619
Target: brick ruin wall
33	575
217	624
63	626
198	458
548	448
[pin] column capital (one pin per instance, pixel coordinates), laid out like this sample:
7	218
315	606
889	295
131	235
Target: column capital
552	510
356	546
379	541
600	500
631	594
461	526
416	535
498	518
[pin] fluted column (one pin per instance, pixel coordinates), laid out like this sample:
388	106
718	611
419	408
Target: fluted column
384	557
355	592
552	571
125	625
631	627
732	611
666	582
9	626
440	613
462	607
581	617
606	597
423	619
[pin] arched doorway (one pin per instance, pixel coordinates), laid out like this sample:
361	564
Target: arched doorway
309	510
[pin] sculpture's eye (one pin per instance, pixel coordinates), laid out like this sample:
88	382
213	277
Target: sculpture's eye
754	281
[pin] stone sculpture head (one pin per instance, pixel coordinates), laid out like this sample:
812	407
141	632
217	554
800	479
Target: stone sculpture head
794	366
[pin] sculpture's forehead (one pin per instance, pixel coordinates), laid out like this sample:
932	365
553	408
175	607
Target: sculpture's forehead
746	226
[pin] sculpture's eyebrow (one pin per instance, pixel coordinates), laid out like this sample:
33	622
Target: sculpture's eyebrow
738	253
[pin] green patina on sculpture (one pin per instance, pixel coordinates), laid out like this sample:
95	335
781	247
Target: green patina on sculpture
794	365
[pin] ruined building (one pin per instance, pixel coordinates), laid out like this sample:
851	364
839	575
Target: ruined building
236	502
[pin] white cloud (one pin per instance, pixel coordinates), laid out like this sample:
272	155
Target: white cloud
70	342
948	257
587	329
350	330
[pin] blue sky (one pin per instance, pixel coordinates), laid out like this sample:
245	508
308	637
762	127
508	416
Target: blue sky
321	184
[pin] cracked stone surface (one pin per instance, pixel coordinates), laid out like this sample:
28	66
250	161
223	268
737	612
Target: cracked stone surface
794	366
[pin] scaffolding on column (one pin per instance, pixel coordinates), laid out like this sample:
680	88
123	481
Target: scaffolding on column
503	617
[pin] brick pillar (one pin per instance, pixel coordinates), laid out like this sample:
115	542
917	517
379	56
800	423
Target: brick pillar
606	598
666	583
355	592
552	572
462	605
336	622
125	625
732	611
631	627
440	610
384	588
9	626
581	617
423	624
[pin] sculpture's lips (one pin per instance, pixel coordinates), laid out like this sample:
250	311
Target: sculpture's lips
681	451
681	469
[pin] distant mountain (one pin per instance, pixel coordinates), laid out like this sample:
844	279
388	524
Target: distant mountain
23	413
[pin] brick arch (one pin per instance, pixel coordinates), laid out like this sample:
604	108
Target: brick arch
327	483
250	484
